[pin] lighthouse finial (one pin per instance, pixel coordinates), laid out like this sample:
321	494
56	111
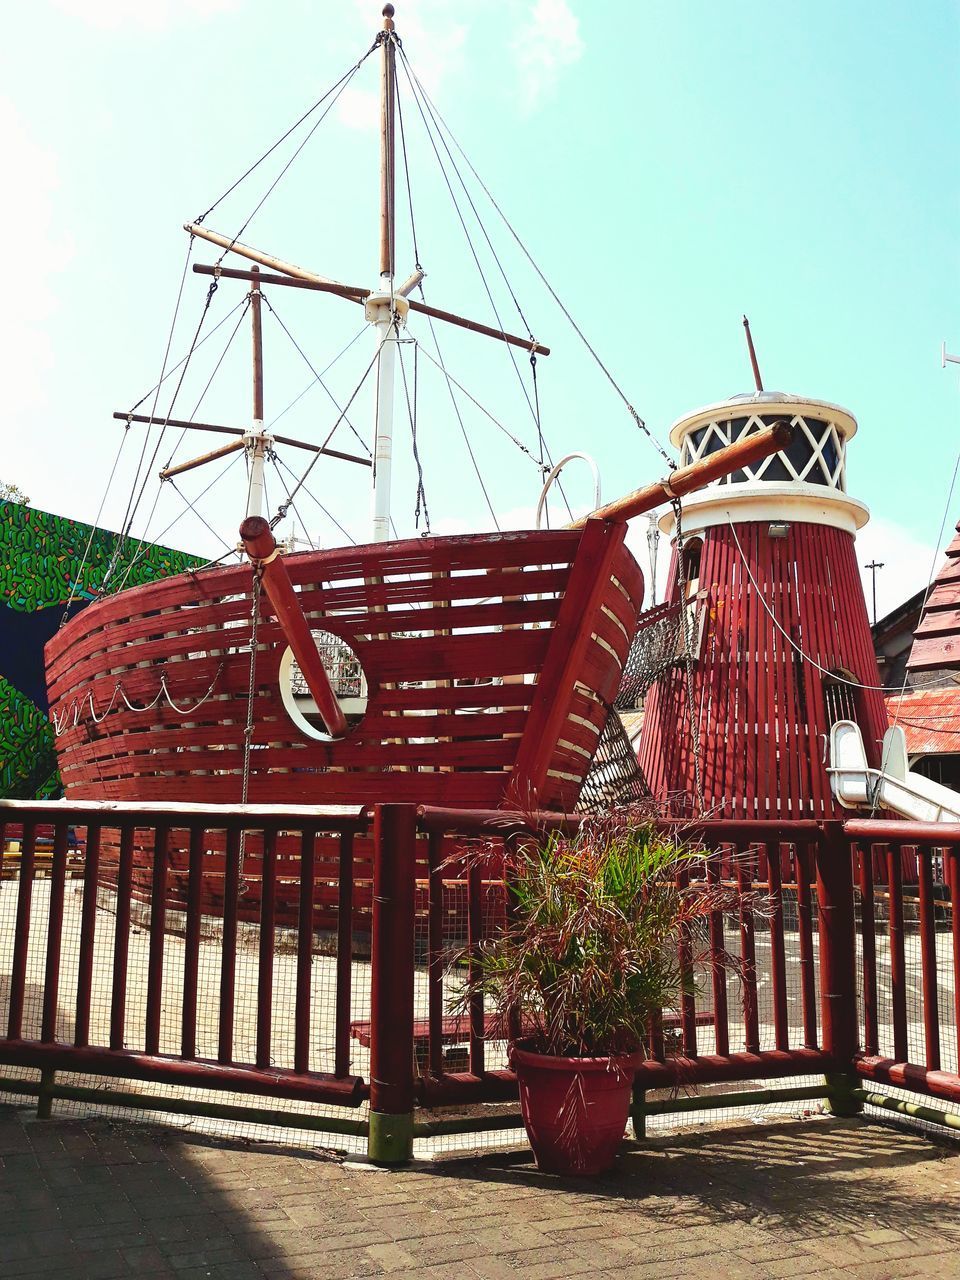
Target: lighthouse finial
388	12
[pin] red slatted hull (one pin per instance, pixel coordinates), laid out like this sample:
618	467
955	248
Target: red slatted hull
762	713
479	628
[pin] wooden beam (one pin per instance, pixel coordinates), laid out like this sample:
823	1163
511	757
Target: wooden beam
168	472
697	476
353	293
238	431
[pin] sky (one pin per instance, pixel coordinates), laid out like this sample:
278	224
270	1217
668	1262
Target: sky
669	166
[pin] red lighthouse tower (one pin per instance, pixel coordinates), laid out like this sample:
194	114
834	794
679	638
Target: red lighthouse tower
778	643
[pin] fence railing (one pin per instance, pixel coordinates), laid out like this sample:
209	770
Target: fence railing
303	955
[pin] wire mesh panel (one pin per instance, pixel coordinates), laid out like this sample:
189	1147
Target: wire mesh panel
188	959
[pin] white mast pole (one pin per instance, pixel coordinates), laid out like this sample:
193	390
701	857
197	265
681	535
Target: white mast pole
385	310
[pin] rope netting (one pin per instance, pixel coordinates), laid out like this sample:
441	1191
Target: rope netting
615	777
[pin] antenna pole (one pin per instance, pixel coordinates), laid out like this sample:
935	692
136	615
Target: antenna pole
753	355
385	309
873	566
255	440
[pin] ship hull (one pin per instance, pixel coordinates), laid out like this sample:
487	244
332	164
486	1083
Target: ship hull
489	665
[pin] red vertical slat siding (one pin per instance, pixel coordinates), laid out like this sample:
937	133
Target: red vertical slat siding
869	945
898	967
51	980
808	1001
763	751
953	880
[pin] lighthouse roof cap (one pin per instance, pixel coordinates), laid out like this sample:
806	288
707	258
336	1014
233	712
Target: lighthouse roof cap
765	402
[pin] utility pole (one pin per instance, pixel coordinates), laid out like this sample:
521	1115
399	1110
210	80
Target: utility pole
873	566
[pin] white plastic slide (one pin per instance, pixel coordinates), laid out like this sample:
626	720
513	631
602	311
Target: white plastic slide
855	785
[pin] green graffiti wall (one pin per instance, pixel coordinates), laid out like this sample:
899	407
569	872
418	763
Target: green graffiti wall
45	560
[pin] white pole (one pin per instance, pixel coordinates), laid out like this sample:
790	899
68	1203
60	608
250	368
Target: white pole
382	319
256	453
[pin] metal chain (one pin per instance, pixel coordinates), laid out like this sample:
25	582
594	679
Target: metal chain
688	656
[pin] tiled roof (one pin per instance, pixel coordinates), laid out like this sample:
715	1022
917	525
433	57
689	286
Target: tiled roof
930	719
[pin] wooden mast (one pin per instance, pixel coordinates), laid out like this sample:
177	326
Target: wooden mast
255	440
385	309
388	91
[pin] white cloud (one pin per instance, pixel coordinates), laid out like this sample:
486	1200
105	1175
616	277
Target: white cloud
149	15
545	45
43	250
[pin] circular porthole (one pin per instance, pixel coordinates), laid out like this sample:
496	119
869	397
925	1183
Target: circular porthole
346	679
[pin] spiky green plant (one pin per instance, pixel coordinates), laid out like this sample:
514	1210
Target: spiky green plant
591	951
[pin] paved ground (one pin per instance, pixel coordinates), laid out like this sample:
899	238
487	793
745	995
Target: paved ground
89	1199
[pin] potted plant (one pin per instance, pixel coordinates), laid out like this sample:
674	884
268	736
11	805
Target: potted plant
589	956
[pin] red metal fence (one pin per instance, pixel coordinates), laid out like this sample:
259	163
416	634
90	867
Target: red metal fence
160	955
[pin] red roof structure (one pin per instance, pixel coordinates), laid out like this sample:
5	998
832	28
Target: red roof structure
937	643
930	719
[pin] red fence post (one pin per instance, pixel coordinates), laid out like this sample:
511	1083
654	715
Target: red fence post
390	1137
838	981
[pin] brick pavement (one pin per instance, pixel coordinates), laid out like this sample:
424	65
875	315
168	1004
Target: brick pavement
96	1199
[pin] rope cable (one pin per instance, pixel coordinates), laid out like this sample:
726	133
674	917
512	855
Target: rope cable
279	142
550	289
317	376
310	385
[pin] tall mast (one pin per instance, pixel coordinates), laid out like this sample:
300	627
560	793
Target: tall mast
384	308
255	439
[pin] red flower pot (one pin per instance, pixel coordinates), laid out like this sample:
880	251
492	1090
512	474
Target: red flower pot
575	1109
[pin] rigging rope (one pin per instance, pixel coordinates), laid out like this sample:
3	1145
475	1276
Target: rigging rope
77	577
318	377
173	369
281	511
73	711
128	515
310	385
412	416
214	285
306	115
466	232
546	283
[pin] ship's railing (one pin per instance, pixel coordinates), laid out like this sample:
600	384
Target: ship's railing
294	966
